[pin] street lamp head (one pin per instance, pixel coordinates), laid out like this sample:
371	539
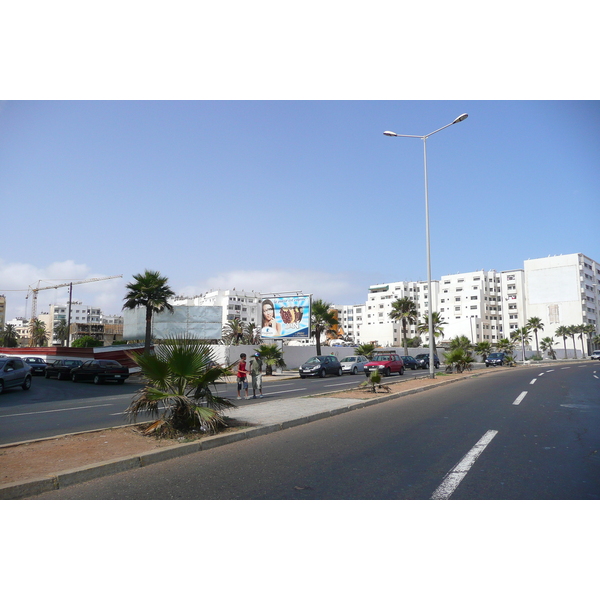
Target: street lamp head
390	133
461	118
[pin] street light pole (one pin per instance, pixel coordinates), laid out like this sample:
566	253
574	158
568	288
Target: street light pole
429	294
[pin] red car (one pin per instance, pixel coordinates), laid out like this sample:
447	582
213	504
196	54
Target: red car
386	364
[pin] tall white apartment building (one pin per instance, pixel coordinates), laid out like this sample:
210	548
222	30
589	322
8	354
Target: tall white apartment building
350	317
236	304
376	323
563	290
483	306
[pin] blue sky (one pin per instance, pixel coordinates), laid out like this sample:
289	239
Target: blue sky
229	145
285	195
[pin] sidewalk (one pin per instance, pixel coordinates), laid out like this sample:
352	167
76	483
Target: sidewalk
261	419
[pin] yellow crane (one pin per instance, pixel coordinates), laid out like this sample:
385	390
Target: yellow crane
35	290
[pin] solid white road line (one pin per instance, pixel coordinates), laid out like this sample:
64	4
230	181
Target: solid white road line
41	412
457	474
520	397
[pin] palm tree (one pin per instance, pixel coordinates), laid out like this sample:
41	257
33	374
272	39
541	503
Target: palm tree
180	377
272	356
589	330
437	321
321	320
9	338
596	341
252	333
62	332
546	346
483	348
37	333
151	291
523	335
572	330
365	350
535	324
233	332
563	332
507	346
405	311
460	342
459	357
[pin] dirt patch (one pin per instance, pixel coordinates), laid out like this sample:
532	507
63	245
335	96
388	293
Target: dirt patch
48	457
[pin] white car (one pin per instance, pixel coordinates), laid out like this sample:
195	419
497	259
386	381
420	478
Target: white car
595	356
354	364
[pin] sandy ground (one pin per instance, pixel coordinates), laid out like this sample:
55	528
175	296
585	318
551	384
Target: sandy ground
40	459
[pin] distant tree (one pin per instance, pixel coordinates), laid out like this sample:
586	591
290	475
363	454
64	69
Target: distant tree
505	345
252	333
37	333
483	348
87	341
546	345
405	311
572	329
535	324
460	342
365	350
322	320
563	331
151	291
272	355
9	338
233	332
62	332
522	335
437	322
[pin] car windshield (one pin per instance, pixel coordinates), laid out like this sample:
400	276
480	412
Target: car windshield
314	360
71	363
496	355
382	357
348	359
422	355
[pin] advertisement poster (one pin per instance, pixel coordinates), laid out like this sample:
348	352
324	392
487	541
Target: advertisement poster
285	317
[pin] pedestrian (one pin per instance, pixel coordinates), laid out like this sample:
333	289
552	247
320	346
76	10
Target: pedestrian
242	376
256	372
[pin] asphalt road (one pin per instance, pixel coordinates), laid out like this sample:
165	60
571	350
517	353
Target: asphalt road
519	434
53	407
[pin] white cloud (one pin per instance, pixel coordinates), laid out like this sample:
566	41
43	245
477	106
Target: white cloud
336	288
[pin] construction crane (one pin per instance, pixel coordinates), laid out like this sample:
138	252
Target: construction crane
35	290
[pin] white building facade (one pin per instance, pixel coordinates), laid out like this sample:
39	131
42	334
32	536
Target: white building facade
563	290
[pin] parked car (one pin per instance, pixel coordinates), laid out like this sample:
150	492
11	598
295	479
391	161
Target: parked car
100	371
14	372
61	369
386	364
423	361
410	362
321	366
595	355
495	359
37	364
354	364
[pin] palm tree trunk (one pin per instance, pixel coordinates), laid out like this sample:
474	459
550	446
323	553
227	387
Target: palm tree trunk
318	337
404	336
148	329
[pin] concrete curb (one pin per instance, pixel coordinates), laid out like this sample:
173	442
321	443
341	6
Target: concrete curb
33	487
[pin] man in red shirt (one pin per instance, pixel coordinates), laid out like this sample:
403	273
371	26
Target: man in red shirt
242	376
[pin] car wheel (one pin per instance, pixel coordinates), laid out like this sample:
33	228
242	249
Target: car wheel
97	380
47	375
340	372
401	371
27	383
322	373
354	371
74	377
1	386
386	372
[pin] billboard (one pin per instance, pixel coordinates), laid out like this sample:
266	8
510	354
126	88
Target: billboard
285	317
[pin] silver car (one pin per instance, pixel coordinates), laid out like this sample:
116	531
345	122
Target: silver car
354	364
14	372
